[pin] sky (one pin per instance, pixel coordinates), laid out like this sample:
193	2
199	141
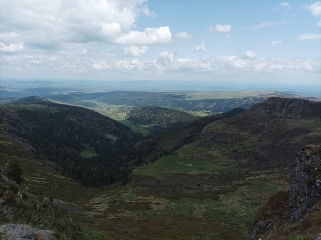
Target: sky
208	40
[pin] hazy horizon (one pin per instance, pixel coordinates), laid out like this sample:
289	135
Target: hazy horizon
157	85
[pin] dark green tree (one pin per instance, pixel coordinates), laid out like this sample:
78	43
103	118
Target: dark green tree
15	171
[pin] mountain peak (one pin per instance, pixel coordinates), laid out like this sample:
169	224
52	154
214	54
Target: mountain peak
276	107
287	108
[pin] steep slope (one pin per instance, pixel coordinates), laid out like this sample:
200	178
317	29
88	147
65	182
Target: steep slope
269	133
19	205
297	210
167	143
81	143
217	174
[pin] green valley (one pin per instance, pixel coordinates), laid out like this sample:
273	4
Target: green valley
203	180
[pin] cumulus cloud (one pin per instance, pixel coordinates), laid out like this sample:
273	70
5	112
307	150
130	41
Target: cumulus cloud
165	58
309	36
183	35
11	48
50	24
200	48
282	5
160	35
249	55
220	28
276	43
135	51
267	24
129	65
148	12
315	9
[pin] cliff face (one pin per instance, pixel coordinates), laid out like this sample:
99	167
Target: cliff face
292	211
306	181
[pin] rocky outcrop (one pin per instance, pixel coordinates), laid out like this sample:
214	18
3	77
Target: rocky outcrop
292	206
272	214
306	181
25	232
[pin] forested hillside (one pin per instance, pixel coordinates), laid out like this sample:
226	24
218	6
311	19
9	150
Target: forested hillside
159	119
88	147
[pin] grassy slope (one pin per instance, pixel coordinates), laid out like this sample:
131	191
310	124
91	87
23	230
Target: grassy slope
171	200
43	181
168	196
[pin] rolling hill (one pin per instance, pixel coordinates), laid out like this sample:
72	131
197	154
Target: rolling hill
92	149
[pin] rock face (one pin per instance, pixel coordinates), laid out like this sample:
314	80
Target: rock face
25	232
306	181
301	199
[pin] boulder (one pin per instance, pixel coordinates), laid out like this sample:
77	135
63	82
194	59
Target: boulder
25	232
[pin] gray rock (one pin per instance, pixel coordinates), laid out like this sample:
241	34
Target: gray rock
306	184
25	232
318	237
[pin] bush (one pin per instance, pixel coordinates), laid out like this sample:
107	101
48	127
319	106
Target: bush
15	171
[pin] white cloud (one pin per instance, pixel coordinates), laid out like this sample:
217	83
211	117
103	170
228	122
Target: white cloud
315	9
282	5
50	24
100	66
135	51
220	28
160	35
67	64
200	48
11	48
267	24
276	43
130	65
183	35
309	36
147	12
165	59
249	55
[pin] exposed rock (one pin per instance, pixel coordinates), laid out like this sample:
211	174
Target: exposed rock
300	200
306	181
25	232
318	237
272	214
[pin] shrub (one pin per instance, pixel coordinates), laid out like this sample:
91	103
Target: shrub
15	171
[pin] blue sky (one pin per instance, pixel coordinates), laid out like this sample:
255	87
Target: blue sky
232	41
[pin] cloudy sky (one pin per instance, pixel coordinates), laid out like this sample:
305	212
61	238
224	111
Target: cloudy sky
259	41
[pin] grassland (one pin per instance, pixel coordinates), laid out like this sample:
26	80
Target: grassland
173	164
88	153
174	198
